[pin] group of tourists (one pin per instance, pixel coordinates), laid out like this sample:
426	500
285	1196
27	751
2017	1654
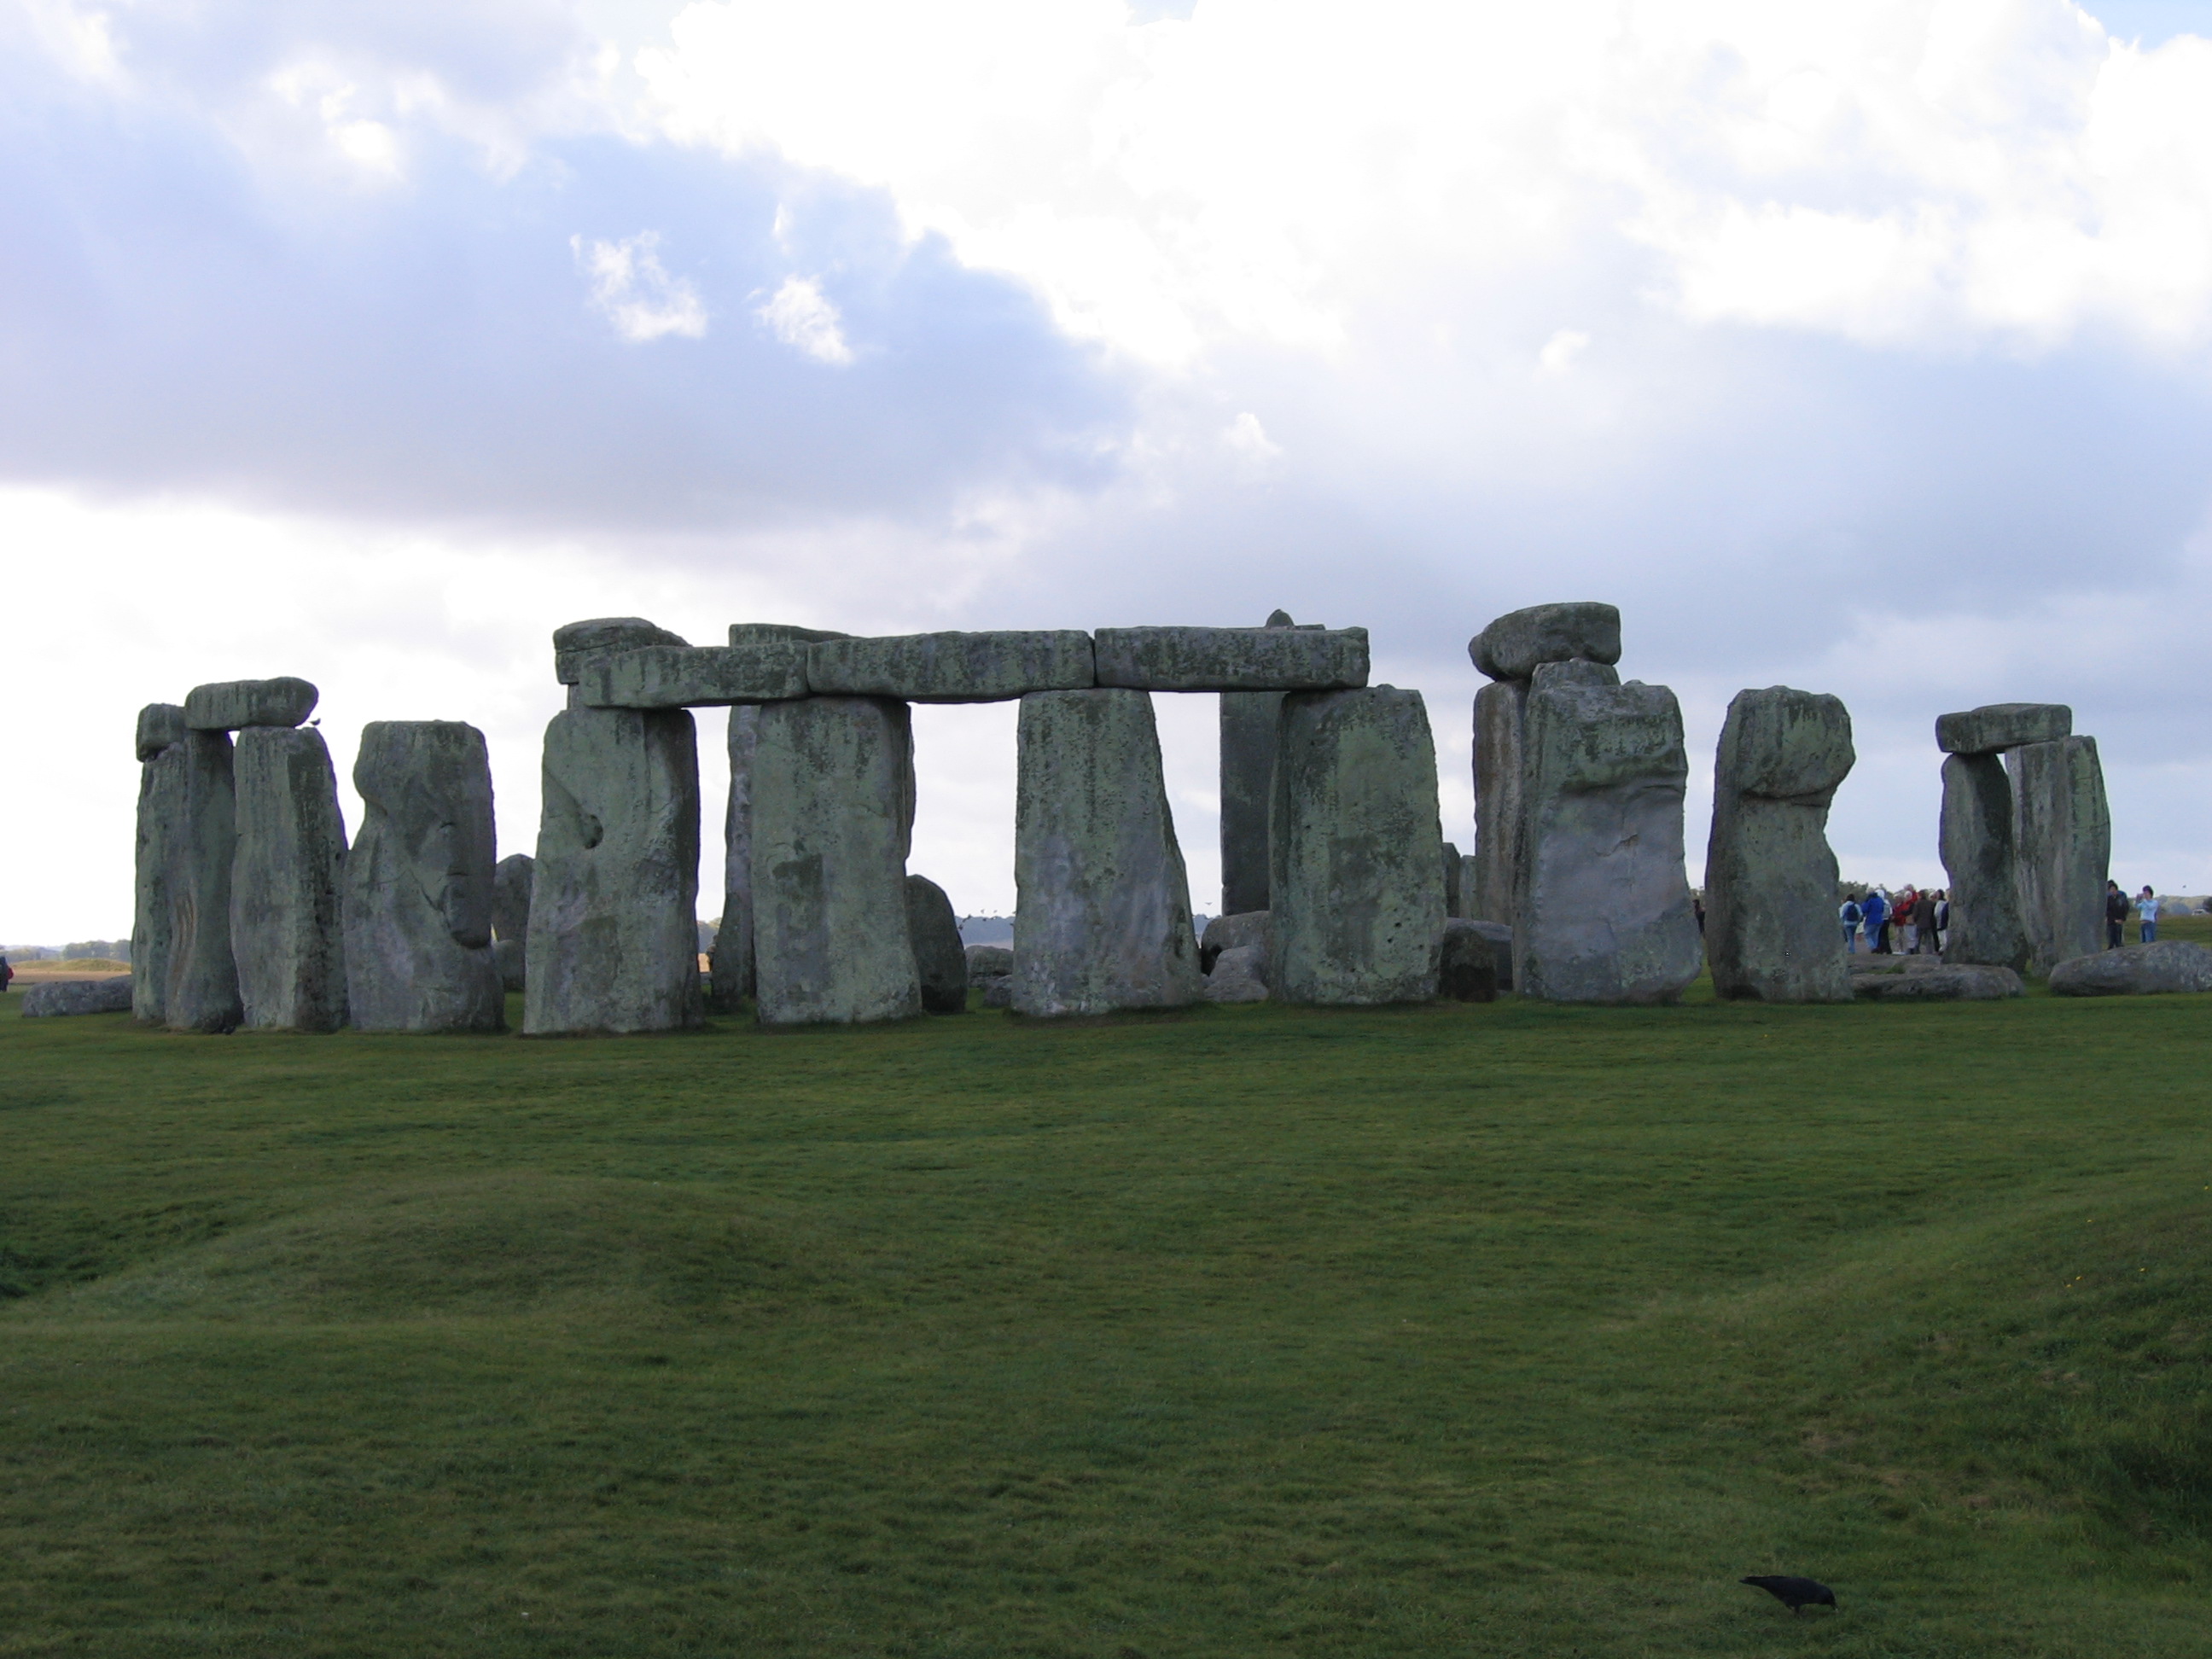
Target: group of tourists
1915	919
2117	906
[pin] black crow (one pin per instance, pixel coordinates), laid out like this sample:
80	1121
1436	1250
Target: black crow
1793	1592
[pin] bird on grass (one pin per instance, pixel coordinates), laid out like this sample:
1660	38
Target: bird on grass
1793	1592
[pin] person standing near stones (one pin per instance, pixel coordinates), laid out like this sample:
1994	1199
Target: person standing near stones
2147	914
1847	913
7	974
2116	917
1924	924
1873	911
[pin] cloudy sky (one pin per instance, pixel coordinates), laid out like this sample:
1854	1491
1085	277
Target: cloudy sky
1862	349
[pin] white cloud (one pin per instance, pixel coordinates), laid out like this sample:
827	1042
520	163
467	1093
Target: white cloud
1560	351
636	295
802	317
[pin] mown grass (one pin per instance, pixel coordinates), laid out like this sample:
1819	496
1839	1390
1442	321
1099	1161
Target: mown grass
1504	1330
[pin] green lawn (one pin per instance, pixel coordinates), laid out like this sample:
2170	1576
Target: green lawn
1455	1330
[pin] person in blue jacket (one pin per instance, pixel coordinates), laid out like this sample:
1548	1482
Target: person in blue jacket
1874	910
1848	914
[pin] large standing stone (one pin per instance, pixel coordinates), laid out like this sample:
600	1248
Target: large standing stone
1453	864
952	667
512	880
832	812
940	961
201	994
1976	844
1603	914
2063	846
161	826
613	943
1512	647
1232	658
2000	725
1358	898
236	704
1499	709
285	929
417	890
1770	874
730	967
1101	917
1248	722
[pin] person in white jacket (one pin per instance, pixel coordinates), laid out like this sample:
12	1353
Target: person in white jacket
2147	914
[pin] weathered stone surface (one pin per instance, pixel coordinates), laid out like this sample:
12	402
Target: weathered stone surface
1469	968
2062	848
939	962
1249	723
780	634
1574	671
613	942
1512	647
578	643
694	676
1976	844
2136	970
988	961
513	879
78	996
1951	983
233	705
1468	877
1101	917
730	967
1358	898
989	667
160	724
1232	658
417	888
1499	937
1239	976
201	994
832	804
1499	711
285	929
997	992
510	959
2000	726
160	835
1236	933
1603	912
1771	930
1452	865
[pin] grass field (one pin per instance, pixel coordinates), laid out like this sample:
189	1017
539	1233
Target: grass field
1496	1330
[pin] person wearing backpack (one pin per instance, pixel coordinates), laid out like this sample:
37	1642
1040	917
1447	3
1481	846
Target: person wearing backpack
1874	911
1848	914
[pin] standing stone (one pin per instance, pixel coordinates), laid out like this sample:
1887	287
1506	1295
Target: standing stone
1468	877
418	891
832	815
730	967
203	989
1770	874
1978	865
2063	846
940	961
1248	719
1102	917
161	826
1359	909
285	929
1603	914
1498	711
512	880
613	942
1453	864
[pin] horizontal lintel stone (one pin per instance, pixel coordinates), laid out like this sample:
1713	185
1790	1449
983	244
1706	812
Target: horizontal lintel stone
233	704
576	643
695	676
952	667
1513	646
780	634
2000	726
1233	659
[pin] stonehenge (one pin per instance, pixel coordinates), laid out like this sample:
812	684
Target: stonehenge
1770	876
201	992
161	822
1248	719
940	963
417	892
291	850
2062	847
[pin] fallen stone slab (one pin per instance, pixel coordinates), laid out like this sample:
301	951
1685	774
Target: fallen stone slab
1231	933
952	667
1512	646
160	725
1232	658
417	885
2163	966
578	643
1958	982
1102	914
694	676
1358	907
2000	725
988	961
1467	971
202	992
1602	913
939	962
1239	976
2061	832
286	933
613	941
1770	933
80	996
233	705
